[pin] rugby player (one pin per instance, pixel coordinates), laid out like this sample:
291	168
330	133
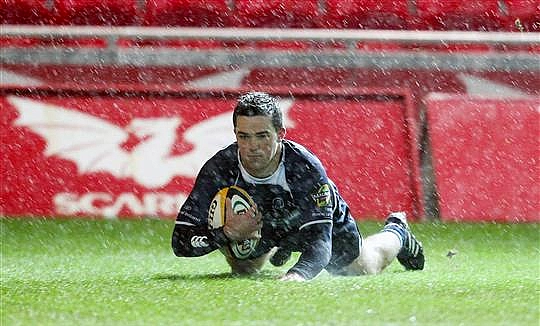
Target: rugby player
298	208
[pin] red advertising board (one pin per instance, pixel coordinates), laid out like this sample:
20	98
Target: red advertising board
486	157
136	154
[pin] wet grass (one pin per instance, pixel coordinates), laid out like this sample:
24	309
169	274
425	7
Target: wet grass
80	272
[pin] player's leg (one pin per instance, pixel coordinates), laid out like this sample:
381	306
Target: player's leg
247	266
380	249
377	252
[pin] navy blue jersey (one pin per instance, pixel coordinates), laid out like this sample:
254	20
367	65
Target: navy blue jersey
301	207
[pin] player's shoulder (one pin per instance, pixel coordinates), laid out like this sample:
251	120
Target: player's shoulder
224	164
226	155
295	153
301	162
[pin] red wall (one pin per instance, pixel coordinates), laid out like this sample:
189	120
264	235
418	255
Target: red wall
486	156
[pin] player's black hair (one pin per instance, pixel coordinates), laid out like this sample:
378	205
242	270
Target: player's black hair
259	104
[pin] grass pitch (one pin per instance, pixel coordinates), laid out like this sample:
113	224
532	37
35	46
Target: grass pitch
85	272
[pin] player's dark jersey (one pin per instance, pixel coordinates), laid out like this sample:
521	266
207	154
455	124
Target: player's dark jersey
302	211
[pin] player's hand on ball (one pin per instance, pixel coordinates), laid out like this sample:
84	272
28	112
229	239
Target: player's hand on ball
292	277
242	226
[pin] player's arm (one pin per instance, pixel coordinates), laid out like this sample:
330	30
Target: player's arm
190	240
315	252
316	234
191	235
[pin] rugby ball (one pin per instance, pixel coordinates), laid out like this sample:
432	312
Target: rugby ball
241	202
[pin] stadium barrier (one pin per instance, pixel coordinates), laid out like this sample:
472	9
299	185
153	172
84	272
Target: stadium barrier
486	157
247	48
106	153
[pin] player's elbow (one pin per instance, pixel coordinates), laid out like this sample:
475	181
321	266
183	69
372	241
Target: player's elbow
182	250
180	246
178	249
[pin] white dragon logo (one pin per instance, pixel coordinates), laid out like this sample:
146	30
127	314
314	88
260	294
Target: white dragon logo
95	144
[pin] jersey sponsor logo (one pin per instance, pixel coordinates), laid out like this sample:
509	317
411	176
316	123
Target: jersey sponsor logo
199	241
323	196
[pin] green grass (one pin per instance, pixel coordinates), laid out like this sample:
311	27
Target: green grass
82	272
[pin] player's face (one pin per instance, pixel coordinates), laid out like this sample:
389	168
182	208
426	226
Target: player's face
259	144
